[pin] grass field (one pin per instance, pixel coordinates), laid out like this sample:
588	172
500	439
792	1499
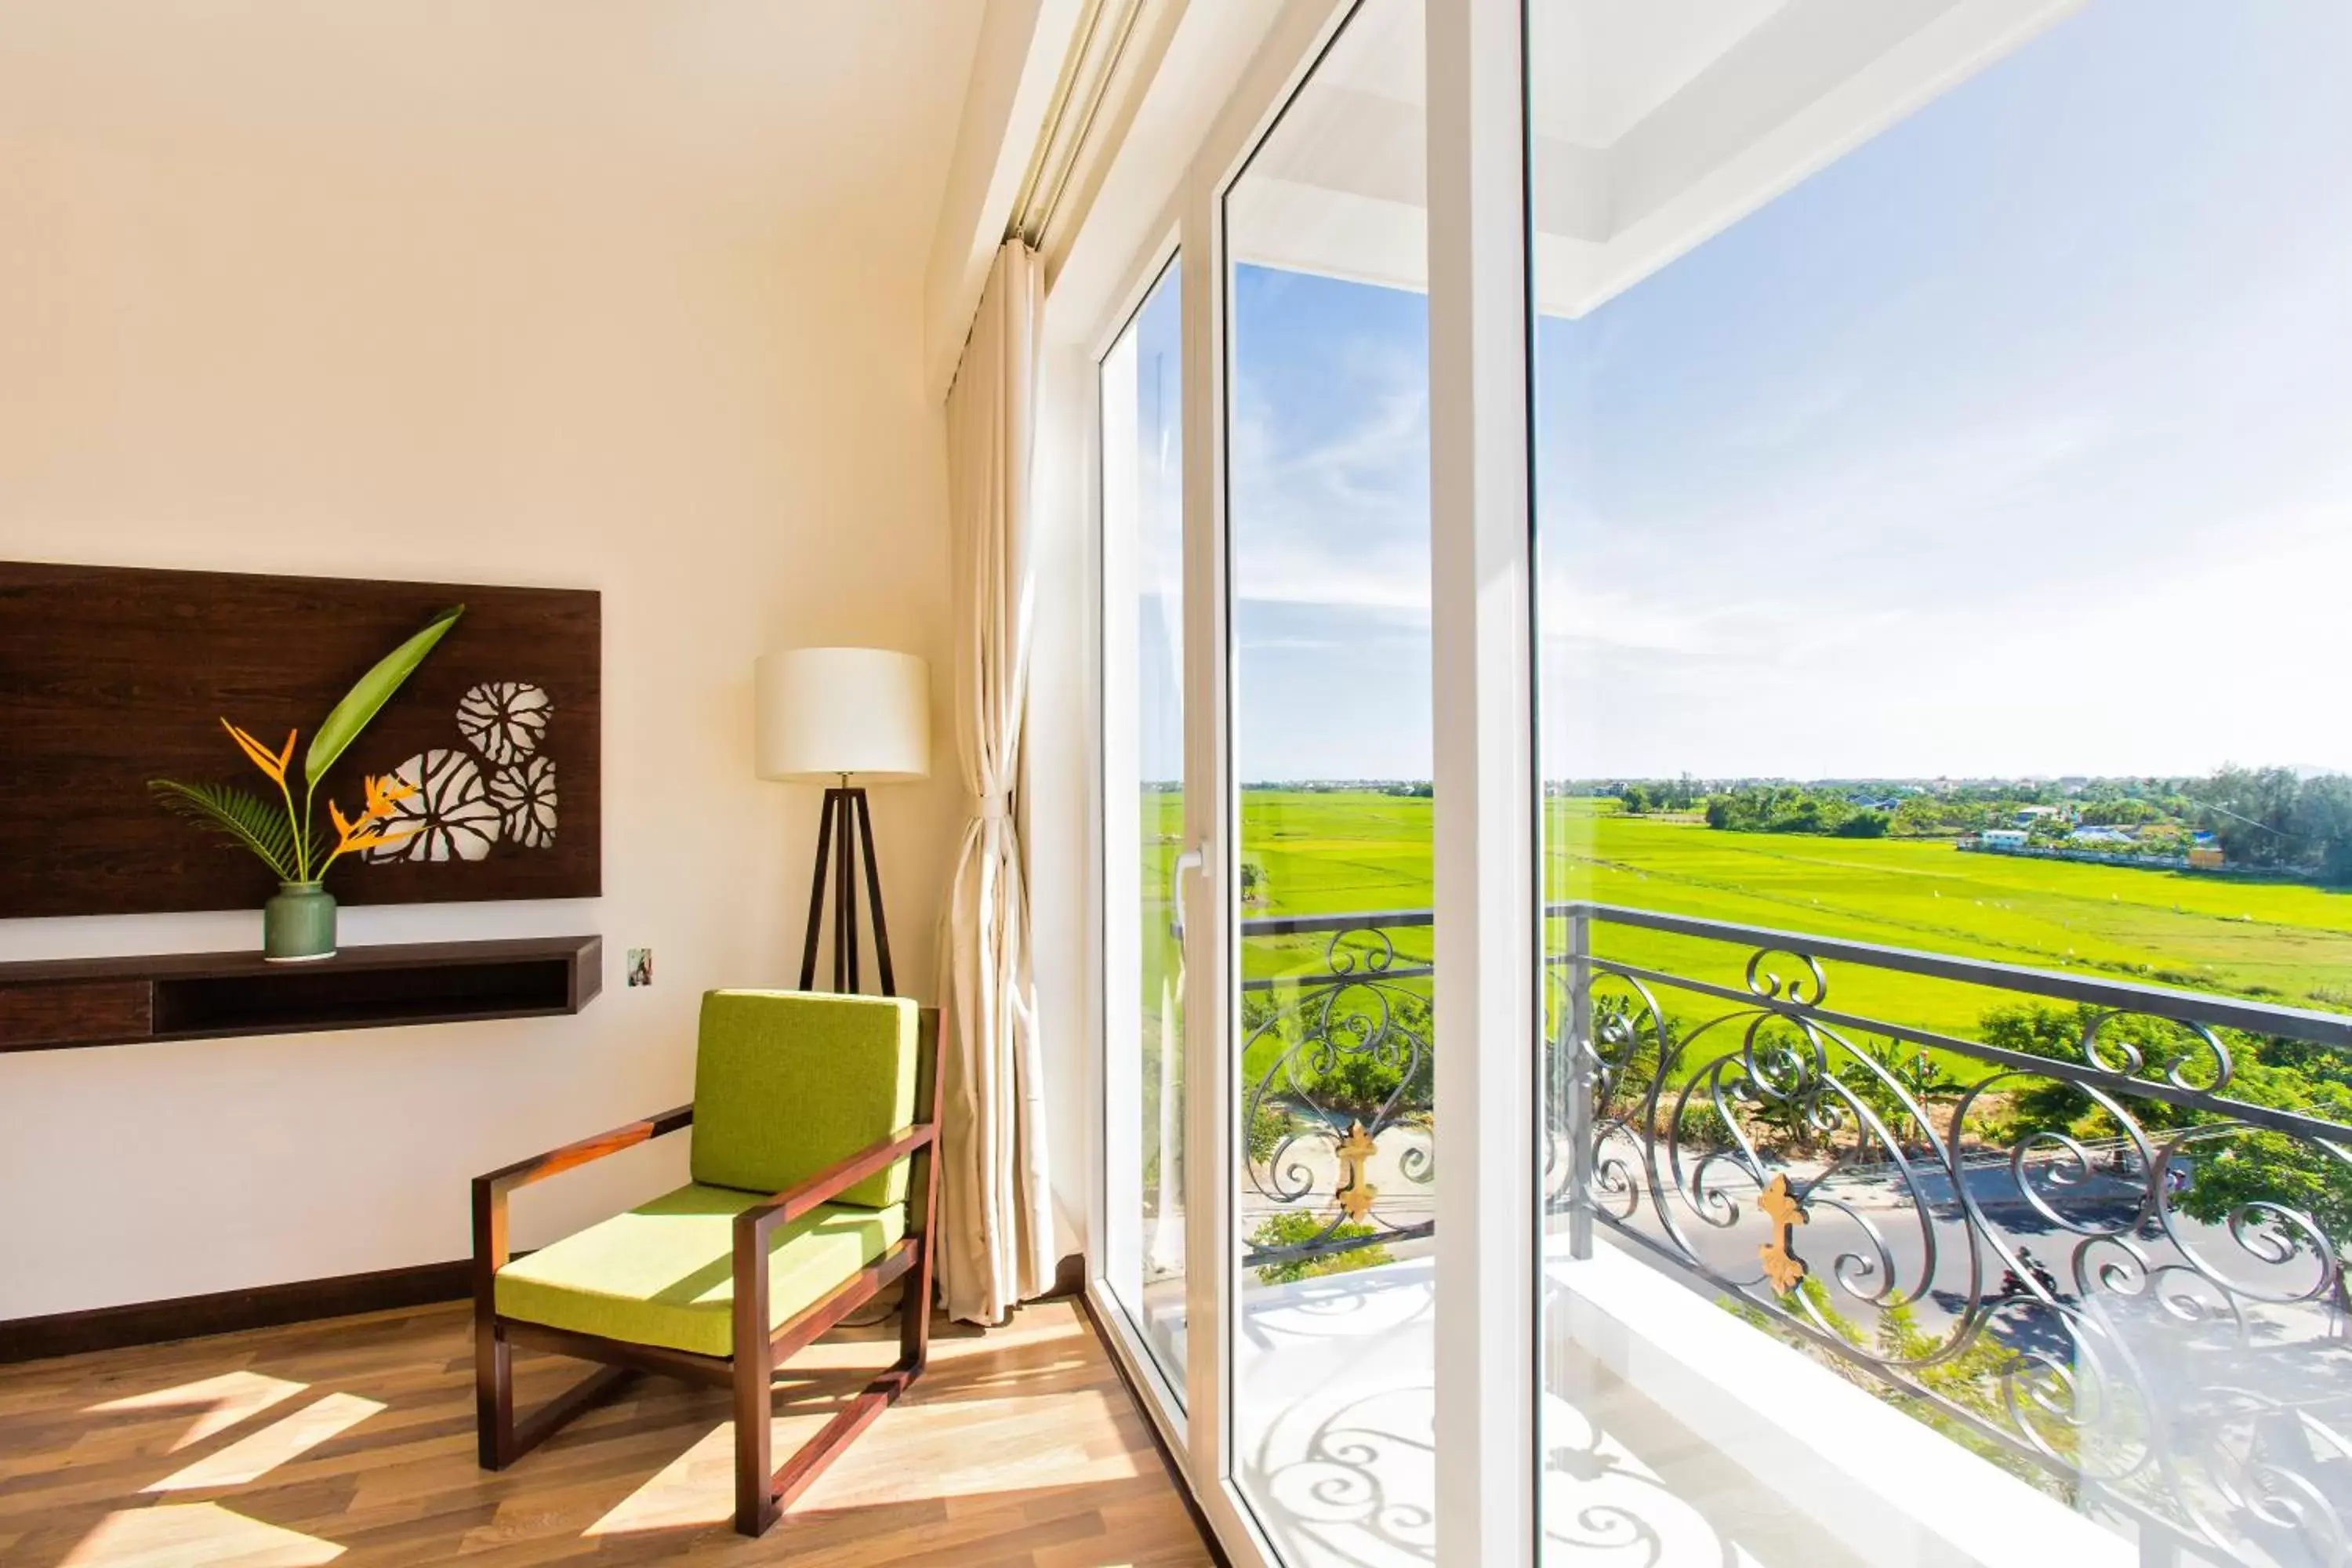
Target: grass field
1337	853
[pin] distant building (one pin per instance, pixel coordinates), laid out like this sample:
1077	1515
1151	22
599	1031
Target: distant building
2205	856
2027	816
2003	839
2099	835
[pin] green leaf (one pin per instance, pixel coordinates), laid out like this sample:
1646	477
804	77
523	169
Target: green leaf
261	825
364	700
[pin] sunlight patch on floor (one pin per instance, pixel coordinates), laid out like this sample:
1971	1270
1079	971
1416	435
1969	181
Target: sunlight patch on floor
957	1447
195	1535
952	1448
251	1458
698	1487
232	1395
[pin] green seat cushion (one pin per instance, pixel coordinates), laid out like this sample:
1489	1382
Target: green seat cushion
787	1083
663	1273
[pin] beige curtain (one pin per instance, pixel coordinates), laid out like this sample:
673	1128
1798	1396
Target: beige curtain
996	1215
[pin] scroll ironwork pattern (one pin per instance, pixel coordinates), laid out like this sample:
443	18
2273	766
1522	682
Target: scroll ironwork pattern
2102	1245
1338	1063
2178	1359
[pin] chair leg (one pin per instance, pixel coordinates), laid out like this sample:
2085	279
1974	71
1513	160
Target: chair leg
755	1498
809	1460
500	1439
493	1394
761	1494
915	1313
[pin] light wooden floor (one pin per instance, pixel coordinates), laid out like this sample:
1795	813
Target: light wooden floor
351	1441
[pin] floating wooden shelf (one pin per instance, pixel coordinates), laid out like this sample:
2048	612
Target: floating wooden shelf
191	997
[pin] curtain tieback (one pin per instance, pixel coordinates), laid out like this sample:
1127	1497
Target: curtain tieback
993	807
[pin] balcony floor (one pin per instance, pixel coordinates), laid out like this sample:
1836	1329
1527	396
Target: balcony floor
1336	1415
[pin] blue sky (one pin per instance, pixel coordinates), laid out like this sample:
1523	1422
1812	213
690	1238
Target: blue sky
2018	440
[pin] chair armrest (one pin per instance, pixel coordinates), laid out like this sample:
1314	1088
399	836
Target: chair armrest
539	1167
491	1190
752	1225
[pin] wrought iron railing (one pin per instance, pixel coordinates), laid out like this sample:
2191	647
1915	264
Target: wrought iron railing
1336	1054
1874	1189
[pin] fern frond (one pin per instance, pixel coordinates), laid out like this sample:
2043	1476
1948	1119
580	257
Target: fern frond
259	825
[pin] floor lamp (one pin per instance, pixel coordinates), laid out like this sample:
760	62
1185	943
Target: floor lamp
831	715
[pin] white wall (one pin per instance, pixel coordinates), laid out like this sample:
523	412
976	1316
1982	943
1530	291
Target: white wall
536	294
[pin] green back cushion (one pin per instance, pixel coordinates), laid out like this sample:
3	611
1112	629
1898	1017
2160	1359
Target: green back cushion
787	1083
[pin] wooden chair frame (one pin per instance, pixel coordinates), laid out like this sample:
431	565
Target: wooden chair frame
762	1493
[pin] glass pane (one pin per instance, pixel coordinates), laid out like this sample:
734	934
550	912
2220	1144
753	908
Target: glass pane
1143	746
1942	489
1329	456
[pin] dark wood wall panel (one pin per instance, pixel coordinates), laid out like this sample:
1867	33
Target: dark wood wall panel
109	677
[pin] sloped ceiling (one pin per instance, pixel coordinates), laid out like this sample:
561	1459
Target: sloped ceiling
798	112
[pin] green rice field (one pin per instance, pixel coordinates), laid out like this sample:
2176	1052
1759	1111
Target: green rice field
2289	943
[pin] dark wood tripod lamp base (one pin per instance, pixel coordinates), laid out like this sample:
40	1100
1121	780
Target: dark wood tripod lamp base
847	822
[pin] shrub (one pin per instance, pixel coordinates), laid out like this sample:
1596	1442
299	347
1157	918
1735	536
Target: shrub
1269	1123
1296	1227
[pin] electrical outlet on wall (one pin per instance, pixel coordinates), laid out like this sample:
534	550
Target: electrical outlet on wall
641	967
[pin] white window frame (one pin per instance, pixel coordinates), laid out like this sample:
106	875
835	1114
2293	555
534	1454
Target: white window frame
1489	1075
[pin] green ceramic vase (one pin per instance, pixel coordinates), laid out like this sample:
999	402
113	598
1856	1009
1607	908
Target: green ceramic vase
299	924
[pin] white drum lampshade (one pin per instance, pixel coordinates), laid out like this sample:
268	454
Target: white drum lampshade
826	711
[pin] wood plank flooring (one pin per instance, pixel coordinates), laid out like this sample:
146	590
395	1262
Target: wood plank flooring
351	1441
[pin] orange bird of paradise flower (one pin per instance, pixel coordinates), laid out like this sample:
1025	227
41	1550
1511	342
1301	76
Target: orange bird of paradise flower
274	764
292	848
352	833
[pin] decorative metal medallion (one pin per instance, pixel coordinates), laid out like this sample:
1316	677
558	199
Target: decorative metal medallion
1781	1264
1353	1193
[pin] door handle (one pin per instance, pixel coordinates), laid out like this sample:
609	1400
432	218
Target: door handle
1196	859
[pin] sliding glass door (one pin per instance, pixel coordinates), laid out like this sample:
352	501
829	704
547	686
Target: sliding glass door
1863	504
1942	494
1145	825
1331	1191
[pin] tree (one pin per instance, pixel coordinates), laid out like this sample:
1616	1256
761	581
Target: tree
2049	1104
2246	1168
1919	1075
2321	820
1634	799
2249	811
2229	1171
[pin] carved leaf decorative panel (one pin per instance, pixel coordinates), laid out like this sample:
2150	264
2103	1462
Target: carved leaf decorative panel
113	676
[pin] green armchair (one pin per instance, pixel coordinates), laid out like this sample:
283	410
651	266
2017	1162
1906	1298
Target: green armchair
814	1187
